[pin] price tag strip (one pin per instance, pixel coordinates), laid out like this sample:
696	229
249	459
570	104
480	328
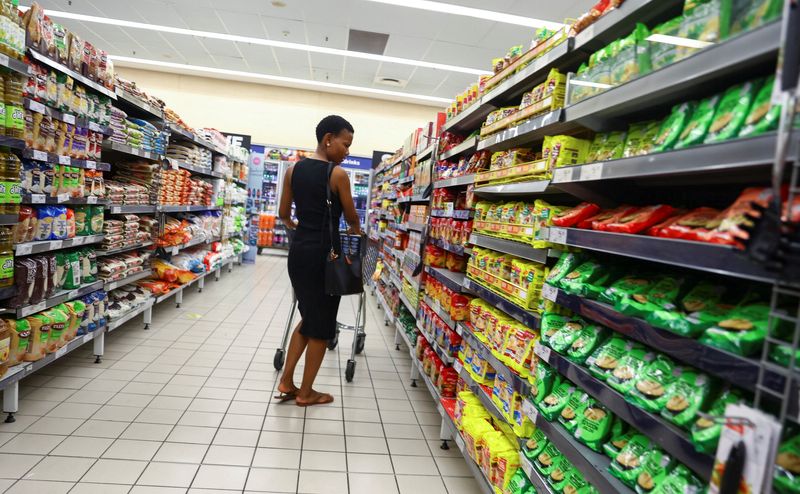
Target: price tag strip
542	352
549	292
592	172
557	235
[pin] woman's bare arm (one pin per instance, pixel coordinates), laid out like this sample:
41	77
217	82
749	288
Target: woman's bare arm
340	182
285	209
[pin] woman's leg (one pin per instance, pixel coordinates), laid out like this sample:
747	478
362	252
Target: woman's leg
297	344
315	352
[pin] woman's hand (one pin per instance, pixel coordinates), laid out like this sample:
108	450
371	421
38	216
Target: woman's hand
354	230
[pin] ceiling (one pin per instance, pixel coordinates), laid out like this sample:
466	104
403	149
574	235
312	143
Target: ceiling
414	34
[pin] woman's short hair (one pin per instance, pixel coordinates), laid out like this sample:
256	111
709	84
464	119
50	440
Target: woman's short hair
332	124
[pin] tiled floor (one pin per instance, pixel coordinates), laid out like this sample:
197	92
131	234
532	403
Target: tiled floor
186	407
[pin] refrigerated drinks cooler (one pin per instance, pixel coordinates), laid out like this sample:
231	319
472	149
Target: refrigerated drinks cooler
271	231
360	186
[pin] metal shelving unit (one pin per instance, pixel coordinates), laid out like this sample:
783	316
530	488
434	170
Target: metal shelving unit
531	319
512	247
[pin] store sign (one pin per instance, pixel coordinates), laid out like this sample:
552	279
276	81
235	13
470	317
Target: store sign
379	156
239	140
357	162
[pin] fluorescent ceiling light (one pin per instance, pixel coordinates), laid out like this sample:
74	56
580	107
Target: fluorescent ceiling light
677	40
264	42
449	8
288	81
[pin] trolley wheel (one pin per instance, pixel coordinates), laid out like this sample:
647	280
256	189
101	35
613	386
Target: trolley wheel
350	371
277	362
335	341
360	343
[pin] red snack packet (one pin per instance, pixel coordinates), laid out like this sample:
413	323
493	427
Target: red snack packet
448	379
636	220
731	222
575	215
598	221
692	225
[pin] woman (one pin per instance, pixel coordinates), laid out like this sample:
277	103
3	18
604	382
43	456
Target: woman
304	184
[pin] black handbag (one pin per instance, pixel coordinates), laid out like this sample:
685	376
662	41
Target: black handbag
342	269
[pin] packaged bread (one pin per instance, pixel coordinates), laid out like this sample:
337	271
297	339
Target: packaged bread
5	346
20	340
38	339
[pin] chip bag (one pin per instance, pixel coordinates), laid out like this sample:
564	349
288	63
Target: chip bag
627	464
685	396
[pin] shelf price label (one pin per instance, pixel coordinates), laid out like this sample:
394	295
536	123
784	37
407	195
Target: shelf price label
64	160
24	249
542	352
88	337
458	366
549	292
592	172
63	197
558	235
526	466
562	175
37	107
91	200
38	198
39	155
91	165
530	410
68	118
116	210
33	309
61	352
460	442
175	250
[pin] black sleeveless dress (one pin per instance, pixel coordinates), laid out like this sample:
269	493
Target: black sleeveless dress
310	246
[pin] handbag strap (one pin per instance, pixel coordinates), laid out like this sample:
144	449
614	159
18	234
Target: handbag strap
329	203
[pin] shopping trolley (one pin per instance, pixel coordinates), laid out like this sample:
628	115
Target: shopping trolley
358	328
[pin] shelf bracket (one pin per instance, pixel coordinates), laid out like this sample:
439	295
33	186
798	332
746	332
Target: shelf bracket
11	402
99	347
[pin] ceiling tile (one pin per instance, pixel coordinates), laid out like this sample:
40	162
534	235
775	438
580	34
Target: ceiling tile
292	59
361	66
285	29
219	47
325	75
328	36
199	18
242	24
407	47
461	55
115	10
320	61
259	58
396	71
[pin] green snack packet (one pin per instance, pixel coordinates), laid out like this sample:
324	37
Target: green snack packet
695	323
543	386
749	14
606	358
618	441
686	395
644	141
566	264
679	481
787	466
655	467
550	325
589	338
671	128
553	403
585	273
72	279
624	376
546	459
707	21
577	484
731	112
560	474
593	289
572	411
564	337
650	389
519	482
663	54
598	143
627	465
782	355
697	127
613	147
661	295
706	432
742	332
701	296
594	426
536	444
626	286
763	116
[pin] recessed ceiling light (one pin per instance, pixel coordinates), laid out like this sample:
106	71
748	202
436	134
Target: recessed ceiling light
280	80
490	15
278	3
264	42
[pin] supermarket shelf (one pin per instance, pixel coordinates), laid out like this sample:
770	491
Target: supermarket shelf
526	132
404	336
485	397
451	280
7	292
483	483
702	256
408	304
673	440
174	291
240	183
43	59
514	86
181	134
428	151
23	370
51	245
405	180
127	101
515	189
469	119
620	22
111	285
455	182
446	358
413	199
387	312
112	146
468	146
707	70
174	249
733	368
395	280
455	249
519	249
195	169
59	298
131	208
539	484
713	161
185	209
411	281
593	465
458	214
10	142
519	384
437	308
17	66
60	199
112	325
417	227
531	319
69	118
119	250
9	219
428	383
55	159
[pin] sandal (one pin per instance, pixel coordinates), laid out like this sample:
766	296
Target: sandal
284	397
320	399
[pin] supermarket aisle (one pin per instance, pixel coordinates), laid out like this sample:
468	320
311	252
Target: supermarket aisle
185	407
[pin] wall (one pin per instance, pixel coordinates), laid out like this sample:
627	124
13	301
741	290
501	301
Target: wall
279	115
